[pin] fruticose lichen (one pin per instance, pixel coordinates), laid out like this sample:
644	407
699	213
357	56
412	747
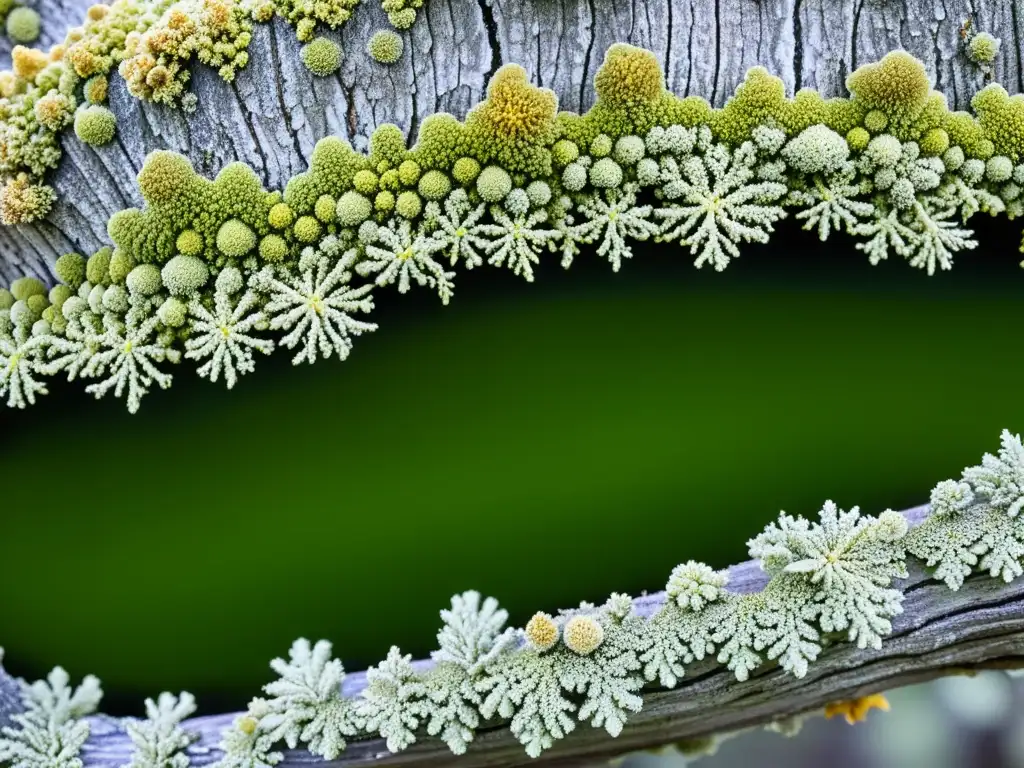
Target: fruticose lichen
516	182
833	579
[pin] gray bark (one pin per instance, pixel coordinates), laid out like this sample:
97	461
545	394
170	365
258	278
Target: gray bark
940	633
275	112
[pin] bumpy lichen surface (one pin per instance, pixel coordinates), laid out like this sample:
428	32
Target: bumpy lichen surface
832	579
221	271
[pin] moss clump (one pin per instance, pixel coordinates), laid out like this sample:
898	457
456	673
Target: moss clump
281	216
235	239
273	249
322	56
23	25
307	229
324	210
353	209
95	125
408	205
184	275
493	184
385	46
896	86
70	268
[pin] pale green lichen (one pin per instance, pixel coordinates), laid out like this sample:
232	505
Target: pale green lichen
322	56
22	25
514	183
385	46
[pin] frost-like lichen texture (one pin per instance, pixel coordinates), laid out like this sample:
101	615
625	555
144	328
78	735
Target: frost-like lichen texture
223	271
832	578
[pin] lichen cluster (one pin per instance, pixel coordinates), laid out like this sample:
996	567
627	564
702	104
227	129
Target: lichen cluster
218	271
151	44
831	580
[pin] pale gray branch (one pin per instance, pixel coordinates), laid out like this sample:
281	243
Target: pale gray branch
940	633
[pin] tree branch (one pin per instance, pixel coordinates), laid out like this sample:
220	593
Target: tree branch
275	111
940	633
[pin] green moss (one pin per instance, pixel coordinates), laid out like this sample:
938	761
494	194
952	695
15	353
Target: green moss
273	249
322	56
95	125
144	280
184	275
434	185
23	25
408	205
385	46
332	167
189	243
235	239
121	263
465	170
307	229
365	182
25	288
97	268
281	216
70	269
353	209
324	210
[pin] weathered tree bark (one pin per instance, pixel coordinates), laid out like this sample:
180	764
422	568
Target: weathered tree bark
275	112
940	633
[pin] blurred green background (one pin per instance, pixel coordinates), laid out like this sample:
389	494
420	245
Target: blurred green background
543	444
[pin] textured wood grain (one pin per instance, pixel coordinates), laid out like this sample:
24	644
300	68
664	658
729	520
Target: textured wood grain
276	111
940	633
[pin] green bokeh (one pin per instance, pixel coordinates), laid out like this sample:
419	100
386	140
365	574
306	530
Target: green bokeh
541	444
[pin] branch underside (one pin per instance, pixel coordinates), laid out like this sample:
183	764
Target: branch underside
939	633
275	111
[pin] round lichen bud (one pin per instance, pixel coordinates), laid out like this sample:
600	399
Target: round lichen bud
972	171
953	158
59	294
983	48
23	25
96	268
95	89
280	216
465	170
606	174
73	307
434	185
365	182
564	152
6	299
323	209
934	142
353	209
817	149
629	75
629	150
189	243
144	280
876	121
115	299
273	249
402	18
539	193
517	202
307	229
95	125
601	146
884	151
121	263
541	632
70	269
408	172
164	176
172	313
574	177
384	202
385	46
858	139
999	168
25	287
235	239
229	281
367	232
322	56
493	184
408	205
583	635
184	275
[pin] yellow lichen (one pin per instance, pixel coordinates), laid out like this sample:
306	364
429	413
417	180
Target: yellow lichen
856	710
